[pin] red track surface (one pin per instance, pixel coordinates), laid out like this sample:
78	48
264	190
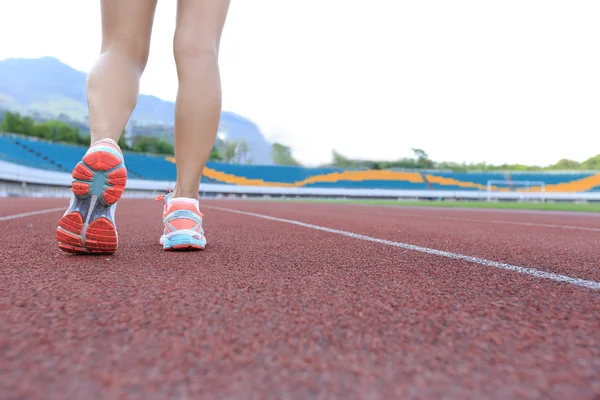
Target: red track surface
275	310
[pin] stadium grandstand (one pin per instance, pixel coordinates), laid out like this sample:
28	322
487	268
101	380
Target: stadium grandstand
147	171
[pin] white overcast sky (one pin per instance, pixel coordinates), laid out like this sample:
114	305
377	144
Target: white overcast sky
496	81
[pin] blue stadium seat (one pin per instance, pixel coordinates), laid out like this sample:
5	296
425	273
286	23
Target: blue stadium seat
288	174
150	167
549	179
480	178
66	155
10	151
63	157
371	184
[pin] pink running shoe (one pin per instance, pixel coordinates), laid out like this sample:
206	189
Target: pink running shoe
182	221
99	180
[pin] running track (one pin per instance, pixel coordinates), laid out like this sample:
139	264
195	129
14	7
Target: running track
490	304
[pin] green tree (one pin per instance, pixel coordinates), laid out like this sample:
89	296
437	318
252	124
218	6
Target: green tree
592	163
215	155
228	150
163	147
56	131
12	122
28	126
242	153
150	144
565	164
420	154
122	143
83	140
282	155
341	161
423	160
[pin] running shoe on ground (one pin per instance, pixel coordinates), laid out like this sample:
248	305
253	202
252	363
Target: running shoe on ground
182	222
99	179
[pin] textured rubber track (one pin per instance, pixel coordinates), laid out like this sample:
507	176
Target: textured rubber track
19	205
572	252
272	310
88	227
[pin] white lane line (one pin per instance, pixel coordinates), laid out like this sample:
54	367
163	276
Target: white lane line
28	214
367	211
491	221
496	221
523	270
513	211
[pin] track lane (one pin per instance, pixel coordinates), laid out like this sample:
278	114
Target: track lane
426	250
589	223
270	309
574	253
17	205
498	211
526	217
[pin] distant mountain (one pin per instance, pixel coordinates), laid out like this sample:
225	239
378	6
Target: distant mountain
45	87
49	87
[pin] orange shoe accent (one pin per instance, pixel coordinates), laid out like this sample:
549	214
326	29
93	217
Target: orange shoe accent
161	197
72	222
101	236
72	249
118	177
111	195
68	238
81	189
82	173
69	231
183	223
88	226
101	160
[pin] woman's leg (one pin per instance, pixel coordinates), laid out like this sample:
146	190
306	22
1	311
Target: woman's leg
197	115
198	104
113	82
99	178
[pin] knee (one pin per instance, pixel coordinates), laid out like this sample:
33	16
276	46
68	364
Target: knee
187	49
136	51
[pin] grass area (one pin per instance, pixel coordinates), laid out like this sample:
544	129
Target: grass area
584	207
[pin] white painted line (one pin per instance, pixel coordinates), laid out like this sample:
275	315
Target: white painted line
374	210
369	209
523	270
467	209
496	221
28	214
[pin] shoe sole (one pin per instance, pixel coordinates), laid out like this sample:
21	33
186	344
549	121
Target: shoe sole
182	242
88	226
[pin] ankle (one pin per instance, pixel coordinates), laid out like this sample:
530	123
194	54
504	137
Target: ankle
106	142
189	194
